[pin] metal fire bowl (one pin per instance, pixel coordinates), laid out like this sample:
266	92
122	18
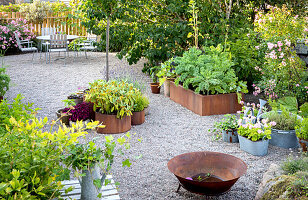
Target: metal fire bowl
228	168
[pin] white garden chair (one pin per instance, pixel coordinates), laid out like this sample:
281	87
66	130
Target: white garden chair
58	43
29	44
87	45
46	31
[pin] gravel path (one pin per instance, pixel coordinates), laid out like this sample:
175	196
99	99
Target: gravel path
169	130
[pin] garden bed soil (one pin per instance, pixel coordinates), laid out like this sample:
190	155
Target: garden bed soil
204	105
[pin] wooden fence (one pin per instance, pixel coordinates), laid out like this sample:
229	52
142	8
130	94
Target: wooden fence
61	21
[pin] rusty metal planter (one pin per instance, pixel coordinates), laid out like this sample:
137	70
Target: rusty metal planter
204	105
304	144
113	124
155	88
138	118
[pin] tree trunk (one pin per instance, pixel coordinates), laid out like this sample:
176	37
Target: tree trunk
107	48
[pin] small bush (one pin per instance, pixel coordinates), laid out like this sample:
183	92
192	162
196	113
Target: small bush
291	166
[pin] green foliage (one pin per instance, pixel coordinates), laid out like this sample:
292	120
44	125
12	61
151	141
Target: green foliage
292	166
112	97
304	110
208	72
299	187
302	129
166	71
36	12
284	120
246	57
30	157
17	110
254	132
289	103
4	81
229	122
141	102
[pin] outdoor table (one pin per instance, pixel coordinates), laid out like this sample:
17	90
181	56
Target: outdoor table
47	37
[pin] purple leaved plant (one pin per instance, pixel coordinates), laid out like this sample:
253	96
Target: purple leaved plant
81	112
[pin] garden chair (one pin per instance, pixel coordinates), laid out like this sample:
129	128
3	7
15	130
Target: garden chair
27	49
58	43
46	31
87	45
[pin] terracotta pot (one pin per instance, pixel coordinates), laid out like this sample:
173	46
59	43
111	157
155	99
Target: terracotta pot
65	119
204	105
113	124
303	143
167	88
1	98
155	88
138	118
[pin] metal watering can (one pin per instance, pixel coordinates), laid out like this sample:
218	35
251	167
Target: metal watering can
262	103
88	190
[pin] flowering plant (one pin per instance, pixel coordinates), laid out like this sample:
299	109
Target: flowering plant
80	112
261	130
7	33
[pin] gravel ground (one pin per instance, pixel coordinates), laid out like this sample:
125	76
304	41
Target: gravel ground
169	130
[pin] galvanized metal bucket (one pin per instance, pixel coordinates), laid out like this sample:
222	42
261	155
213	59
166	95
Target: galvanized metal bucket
230	136
284	139
258	148
88	190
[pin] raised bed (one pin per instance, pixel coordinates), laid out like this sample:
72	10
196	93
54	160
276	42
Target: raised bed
204	104
113	124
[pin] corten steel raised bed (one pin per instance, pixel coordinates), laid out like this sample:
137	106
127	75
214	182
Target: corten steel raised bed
113	124
223	169
138	118
204	104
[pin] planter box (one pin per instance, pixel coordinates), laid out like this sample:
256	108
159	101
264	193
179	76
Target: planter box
204	104
138	118
230	136
284	139
258	148
113	124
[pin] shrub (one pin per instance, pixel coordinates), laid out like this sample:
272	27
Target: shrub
292	166
36	12
30	157
141	102
284	120
261	130
4	81
229	122
112	97
302	129
208	72
7	36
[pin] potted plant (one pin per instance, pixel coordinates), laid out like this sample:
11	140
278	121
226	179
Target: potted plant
165	74
206	82
228	126
283	133
155	88
77	97
302	133
89	161
4	82
64	113
254	138
113	103
80	112
138	116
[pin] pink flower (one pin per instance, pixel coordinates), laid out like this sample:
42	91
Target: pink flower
272	123
296	16
288	43
297	85
283	63
257	47
270	45
279	43
279	49
259	131
242	103
306	29
281	55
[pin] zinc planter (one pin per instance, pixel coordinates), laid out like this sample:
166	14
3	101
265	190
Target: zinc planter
155	88
204	105
88	189
230	136
258	148
284	139
138	118
304	144
112	123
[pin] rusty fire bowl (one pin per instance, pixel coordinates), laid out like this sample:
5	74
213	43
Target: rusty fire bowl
228	169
